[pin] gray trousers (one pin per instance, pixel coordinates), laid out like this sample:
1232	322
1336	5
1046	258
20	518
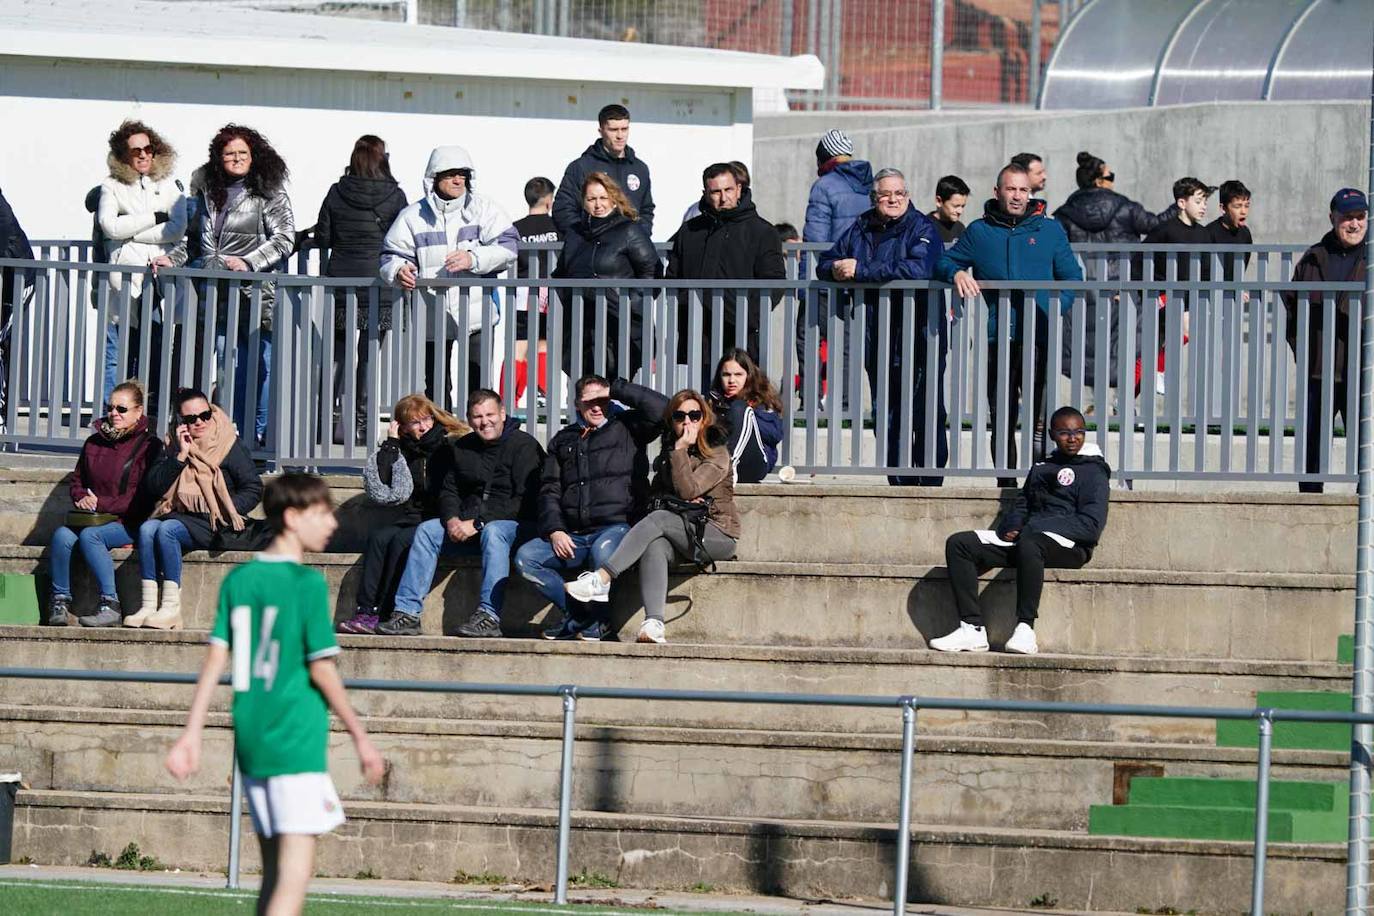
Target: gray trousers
658	539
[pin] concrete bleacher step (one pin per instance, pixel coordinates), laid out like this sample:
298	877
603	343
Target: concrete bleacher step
1096	679
811	859
1333	736
845	524
1094	610
701	772
1224	809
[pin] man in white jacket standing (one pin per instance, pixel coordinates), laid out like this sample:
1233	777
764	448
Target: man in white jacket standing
142	215
452	231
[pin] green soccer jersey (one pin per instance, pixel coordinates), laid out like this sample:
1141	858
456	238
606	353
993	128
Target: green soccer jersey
274	618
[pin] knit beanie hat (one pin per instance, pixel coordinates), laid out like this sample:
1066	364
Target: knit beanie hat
834	143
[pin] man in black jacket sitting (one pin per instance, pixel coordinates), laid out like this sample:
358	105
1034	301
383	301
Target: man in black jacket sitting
486	507
596	483
1057	520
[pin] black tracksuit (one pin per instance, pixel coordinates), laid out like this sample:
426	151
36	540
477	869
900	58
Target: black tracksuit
628	171
1063	495
1222	234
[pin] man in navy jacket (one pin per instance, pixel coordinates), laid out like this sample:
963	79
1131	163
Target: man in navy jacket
896	241
1012	242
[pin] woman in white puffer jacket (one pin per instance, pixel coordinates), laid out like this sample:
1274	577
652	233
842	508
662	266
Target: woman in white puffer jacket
142	215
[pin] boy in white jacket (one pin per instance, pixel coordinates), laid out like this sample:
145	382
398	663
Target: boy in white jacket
452	231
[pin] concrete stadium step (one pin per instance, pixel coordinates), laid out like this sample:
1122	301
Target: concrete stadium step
1092	610
1179	682
808	859
836	523
701	772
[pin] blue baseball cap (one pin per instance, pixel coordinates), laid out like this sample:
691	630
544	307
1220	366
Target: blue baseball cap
1349	200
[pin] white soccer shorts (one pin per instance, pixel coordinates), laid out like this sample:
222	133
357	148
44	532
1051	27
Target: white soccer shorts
299	803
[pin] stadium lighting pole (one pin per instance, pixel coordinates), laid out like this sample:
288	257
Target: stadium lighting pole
1357	858
937	54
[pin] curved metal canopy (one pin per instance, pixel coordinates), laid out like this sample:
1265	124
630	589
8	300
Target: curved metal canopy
1111	55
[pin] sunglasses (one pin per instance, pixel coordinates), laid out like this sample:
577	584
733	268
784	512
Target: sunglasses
1068	433
204	416
682	416
1110	176
137	151
118	408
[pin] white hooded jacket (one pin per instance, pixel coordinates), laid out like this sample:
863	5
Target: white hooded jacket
427	230
127	212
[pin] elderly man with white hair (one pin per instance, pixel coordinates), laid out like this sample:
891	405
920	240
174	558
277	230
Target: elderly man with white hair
895	241
451	231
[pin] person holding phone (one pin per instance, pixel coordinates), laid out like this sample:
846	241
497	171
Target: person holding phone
205	484
109	503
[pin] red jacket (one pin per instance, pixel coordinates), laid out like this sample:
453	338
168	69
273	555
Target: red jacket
101	469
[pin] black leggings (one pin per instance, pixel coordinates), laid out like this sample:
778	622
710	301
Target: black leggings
384	560
967	557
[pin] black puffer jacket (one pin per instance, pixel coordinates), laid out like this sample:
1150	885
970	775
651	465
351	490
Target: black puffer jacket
354	218
1102	216
629	171
735	244
609	248
494	481
429	460
1066	496
598	477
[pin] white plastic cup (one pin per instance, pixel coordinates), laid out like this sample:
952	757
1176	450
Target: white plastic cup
787	473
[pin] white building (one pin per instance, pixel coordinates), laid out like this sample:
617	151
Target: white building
523	105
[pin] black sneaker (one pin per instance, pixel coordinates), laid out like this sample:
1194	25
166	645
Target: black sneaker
480	625
59	609
567	629
108	614
400	624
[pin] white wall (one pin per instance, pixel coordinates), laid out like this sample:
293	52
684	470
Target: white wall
515	129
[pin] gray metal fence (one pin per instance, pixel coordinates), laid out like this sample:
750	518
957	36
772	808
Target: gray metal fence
1223	379
909	706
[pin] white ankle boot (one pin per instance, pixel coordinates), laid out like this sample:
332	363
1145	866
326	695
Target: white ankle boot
147	608
168	616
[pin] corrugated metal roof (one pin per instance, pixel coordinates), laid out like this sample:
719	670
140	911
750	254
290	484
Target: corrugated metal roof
210	35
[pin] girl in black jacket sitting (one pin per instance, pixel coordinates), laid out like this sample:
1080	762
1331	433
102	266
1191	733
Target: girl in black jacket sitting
1057	520
607	243
407	472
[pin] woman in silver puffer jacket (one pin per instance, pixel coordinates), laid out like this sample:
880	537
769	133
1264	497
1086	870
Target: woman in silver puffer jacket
242	222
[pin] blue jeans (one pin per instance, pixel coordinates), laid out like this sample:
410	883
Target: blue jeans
537	562
96	543
111	360
494	543
264	372
161	542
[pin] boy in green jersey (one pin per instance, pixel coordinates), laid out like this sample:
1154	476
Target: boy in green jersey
274	620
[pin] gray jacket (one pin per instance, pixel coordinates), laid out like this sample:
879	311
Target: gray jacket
260	231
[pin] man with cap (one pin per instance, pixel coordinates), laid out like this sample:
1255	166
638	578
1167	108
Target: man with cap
839	196
1338	258
451	231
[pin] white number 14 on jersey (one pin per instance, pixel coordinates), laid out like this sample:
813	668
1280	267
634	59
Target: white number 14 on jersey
249	664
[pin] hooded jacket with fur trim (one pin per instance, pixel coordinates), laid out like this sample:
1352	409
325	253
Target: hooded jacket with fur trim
427	230
128	214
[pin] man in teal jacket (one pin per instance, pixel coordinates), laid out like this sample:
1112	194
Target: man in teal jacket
1012	242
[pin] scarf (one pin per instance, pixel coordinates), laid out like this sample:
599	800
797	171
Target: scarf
200	488
108	430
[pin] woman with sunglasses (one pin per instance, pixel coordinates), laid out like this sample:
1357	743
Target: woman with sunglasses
106	489
142	216
205	484
693	464
406	472
749	411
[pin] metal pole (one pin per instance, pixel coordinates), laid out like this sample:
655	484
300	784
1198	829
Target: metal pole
1362	686
235	822
412	12
904	813
937	54
836	53
1033	89
1266	736
565	795
788	17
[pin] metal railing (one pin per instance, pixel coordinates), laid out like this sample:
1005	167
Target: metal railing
1250	385
570	694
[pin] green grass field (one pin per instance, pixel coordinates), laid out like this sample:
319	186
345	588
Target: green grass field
75	898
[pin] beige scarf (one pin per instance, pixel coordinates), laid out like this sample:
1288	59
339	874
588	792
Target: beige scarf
200	489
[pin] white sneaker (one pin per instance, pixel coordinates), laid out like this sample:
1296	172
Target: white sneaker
967	638
651	630
589	587
1022	640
